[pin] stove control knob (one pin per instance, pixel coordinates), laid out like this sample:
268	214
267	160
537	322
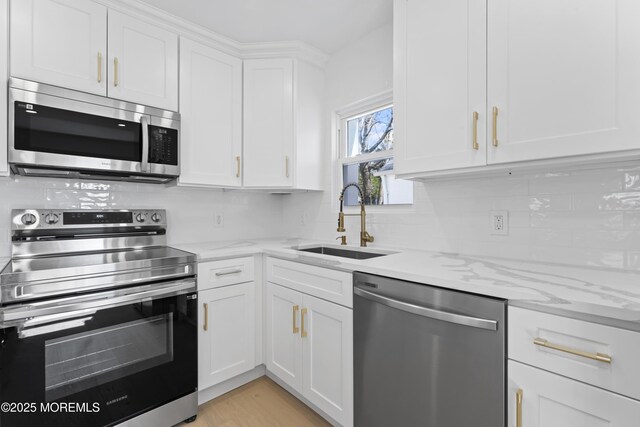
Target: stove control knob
28	219
156	217
51	219
140	217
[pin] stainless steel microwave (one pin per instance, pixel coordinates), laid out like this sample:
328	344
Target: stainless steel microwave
56	132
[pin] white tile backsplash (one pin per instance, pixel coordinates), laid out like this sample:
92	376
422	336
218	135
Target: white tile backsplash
579	222
189	210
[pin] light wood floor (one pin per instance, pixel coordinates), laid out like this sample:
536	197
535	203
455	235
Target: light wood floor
261	403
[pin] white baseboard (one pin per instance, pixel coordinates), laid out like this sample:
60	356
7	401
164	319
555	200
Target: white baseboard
219	389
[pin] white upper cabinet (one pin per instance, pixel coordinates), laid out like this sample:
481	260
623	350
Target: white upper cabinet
283	101
439	84
143	62
549	80
268	127
60	42
211	109
564	77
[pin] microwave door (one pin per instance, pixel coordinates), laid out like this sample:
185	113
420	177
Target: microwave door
56	132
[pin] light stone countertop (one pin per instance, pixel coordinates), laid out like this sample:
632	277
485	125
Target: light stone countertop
605	296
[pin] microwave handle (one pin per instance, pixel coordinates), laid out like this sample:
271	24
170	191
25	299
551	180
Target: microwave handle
144	122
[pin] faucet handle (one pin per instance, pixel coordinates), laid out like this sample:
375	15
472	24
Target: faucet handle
343	240
365	238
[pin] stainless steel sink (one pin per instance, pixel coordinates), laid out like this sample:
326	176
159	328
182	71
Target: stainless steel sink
343	252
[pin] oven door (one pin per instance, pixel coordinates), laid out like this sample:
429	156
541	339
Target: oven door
104	361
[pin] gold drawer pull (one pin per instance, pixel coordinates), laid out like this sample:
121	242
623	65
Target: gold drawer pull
600	357
303	313
519	394
116	80
475	131
206	317
495	126
99	67
237	166
295	315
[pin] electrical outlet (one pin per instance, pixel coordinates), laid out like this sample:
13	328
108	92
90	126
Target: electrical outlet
218	220
303	218
500	223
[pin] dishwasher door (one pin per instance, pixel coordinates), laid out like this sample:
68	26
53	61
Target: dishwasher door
426	356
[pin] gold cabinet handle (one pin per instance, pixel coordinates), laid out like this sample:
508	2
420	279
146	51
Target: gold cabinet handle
115	72
295	314
600	357
99	67
519	394
303	313
237	166
475	130
495	126
286	166
206	317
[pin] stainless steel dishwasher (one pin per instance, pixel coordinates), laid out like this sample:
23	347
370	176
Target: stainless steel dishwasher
427	356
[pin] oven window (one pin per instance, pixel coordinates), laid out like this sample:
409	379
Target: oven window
81	361
53	130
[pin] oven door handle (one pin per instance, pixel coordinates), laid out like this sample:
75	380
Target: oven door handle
35	312
460	319
144	122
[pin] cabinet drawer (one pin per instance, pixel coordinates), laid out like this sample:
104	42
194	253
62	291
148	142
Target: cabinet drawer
331	285
549	342
214	274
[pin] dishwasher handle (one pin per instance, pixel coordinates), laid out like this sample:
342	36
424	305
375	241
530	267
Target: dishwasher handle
445	316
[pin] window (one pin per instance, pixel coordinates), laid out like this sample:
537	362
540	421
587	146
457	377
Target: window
366	158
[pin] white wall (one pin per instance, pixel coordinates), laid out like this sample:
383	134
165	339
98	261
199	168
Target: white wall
587	218
190	211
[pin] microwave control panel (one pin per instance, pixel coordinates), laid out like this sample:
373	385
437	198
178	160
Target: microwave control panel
163	145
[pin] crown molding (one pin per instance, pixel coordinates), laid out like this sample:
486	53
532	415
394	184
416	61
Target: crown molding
297	49
183	27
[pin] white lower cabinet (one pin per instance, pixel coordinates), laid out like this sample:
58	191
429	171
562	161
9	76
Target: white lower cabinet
310	347
226	343
327	358
550	400
284	348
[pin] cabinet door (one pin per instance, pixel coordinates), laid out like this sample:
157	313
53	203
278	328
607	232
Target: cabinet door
226	346
439	83
564	77
60	42
268	123
550	400
211	116
328	358
143	62
284	347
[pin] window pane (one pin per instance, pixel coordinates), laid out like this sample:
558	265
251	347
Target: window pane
378	184
370	133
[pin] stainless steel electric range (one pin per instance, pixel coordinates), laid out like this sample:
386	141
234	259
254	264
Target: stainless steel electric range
98	321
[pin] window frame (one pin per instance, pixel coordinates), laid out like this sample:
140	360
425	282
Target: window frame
339	158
